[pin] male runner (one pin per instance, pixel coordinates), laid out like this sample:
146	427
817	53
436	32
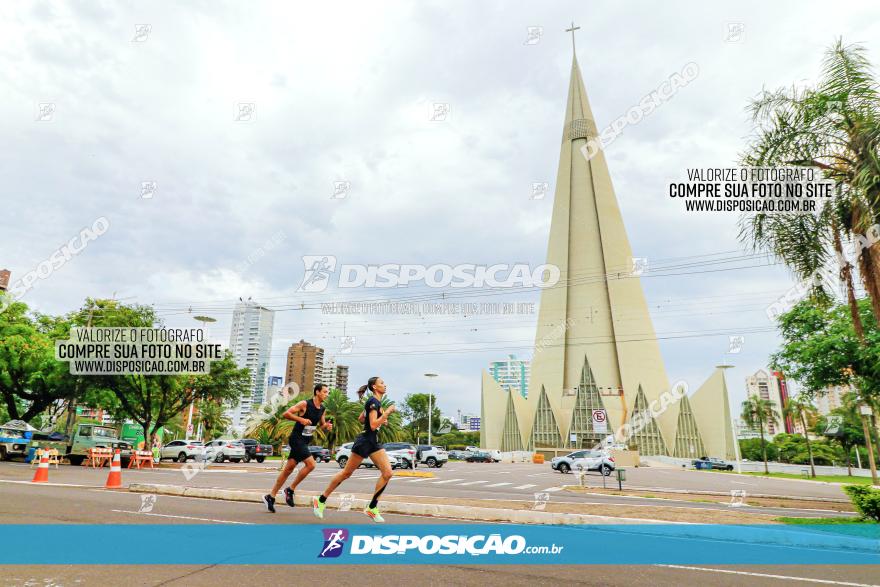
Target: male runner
365	445
308	415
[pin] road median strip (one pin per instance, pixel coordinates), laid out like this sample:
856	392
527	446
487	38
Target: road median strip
460	512
413	474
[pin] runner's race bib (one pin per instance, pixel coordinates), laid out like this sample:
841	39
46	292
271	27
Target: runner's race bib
308	430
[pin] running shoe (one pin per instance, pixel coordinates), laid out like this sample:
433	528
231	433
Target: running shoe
374	514
318	508
288	496
270	502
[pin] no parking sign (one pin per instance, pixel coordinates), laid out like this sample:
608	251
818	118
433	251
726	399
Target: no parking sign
600	421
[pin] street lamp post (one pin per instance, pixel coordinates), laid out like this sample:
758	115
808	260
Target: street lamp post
430	376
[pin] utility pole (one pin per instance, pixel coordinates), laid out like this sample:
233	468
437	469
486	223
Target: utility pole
430	376
865	411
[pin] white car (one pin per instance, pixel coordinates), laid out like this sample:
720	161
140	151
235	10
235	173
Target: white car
182	450
224	449
594	460
433	456
344	451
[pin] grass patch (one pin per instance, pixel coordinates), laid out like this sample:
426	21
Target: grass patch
829	478
821	521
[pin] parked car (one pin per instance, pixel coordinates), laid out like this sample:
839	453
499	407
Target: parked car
320	453
594	460
472	448
405	452
433	456
254	450
225	450
344	451
183	450
459	455
712	463
480	456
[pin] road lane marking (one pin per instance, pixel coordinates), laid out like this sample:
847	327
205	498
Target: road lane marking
182	517
524	486
549	489
417	479
498	484
471	483
769	576
447	481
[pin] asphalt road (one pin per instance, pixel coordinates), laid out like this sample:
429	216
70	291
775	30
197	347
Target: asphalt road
499	481
35	504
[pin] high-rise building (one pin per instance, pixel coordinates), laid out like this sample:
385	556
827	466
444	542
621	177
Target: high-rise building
342	378
335	376
769	387
250	342
512	374
830	398
305	365
4	279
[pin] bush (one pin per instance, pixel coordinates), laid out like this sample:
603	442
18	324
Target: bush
866	499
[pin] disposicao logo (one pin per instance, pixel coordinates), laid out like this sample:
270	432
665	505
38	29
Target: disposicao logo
334	541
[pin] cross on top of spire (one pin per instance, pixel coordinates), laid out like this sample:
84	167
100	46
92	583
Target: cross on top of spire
572	30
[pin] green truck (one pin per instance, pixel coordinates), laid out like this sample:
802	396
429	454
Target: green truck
88	436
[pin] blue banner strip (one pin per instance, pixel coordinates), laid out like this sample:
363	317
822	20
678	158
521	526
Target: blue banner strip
87	544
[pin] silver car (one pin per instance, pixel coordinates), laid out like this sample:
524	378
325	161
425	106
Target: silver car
224	449
344	451
182	450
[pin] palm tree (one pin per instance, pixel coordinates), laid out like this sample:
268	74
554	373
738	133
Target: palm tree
392	430
756	413
802	410
834	127
214	421
344	415
267	422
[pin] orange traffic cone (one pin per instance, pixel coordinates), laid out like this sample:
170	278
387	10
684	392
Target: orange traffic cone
114	479
42	474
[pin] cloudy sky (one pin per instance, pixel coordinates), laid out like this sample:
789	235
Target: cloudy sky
104	101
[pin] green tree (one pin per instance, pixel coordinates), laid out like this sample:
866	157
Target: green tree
392	430
802	410
268	422
833	127
344	415
757	413
415	415
850	434
213	418
752	449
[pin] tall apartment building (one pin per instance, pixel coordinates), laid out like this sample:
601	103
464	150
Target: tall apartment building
342	378
4	279
305	365
512	374
831	398
770	387
250	342
335	376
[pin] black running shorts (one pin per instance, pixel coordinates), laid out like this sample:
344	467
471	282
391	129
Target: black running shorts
364	447
299	451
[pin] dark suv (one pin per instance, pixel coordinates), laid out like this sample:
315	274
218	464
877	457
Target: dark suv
256	451
320	453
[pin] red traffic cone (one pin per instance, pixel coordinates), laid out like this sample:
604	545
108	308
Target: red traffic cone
114	479
42	474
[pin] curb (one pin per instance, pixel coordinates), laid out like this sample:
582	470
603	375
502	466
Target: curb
716	493
457	512
413	474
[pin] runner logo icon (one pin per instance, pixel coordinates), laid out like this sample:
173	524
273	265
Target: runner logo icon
334	541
